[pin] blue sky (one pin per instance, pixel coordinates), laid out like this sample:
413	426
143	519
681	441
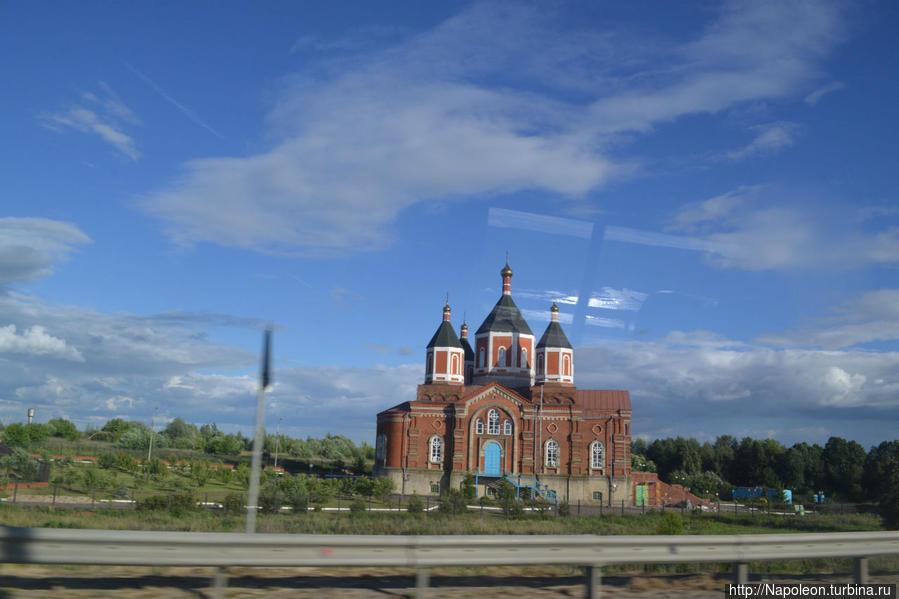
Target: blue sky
707	190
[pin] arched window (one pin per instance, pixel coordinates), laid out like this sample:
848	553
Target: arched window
479	426
597	461
552	454
481	359
430	363
493	422
436	452
539	363
524	357
501	357
507	427
566	365
455	364
381	447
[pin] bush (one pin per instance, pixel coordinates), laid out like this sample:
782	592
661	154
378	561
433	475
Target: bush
177	503
357	505
564	508
415	504
671	523
106	460
233	503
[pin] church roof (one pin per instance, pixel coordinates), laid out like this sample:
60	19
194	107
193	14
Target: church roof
506	318
595	402
445	336
554	336
469	352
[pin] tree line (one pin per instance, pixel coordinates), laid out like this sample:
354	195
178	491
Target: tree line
842	469
178	434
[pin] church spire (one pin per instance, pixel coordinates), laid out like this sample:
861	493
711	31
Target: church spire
506	274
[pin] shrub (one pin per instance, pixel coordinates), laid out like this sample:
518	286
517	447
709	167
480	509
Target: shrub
106	460
564	508
233	503
415	505
468	488
671	523
357	505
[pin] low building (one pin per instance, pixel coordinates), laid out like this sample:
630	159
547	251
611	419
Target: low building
507	408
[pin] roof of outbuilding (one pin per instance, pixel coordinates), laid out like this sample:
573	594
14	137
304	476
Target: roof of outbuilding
445	336
505	317
554	336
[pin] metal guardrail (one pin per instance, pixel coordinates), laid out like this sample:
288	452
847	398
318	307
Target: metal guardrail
145	548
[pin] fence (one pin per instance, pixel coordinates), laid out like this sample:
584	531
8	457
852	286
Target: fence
221	550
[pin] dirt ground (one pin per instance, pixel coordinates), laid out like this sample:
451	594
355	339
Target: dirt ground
357	583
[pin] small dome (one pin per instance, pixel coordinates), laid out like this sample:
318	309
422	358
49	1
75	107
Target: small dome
555	308
506	271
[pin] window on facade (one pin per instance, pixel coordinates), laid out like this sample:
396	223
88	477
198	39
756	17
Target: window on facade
540	363
501	357
455	364
567	366
430	363
481	360
435	488
436	450
552	454
596	456
380	448
493	422
524	357
479	426
507	427
597	495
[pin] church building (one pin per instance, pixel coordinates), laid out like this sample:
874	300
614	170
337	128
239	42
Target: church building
506	407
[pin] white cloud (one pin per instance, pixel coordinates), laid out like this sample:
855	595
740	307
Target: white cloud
695	381
416	122
813	98
36	342
874	316
769	139
30	246
106	118
748	229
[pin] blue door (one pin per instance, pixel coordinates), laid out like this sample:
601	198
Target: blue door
492	455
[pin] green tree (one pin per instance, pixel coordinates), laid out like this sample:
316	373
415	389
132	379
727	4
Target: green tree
876	478
60	427
20	464
182	435
844	463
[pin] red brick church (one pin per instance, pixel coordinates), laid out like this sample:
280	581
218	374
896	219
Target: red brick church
507	408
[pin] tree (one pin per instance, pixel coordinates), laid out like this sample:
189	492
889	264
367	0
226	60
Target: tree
60	427
844	463
181	434
876	477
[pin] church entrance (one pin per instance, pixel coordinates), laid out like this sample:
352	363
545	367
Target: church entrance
492	459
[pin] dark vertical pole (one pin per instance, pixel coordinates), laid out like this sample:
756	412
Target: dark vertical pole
861	570
741	573
15	491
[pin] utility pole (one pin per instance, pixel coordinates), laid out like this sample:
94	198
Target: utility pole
256	461
277	441
152	433
540	433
